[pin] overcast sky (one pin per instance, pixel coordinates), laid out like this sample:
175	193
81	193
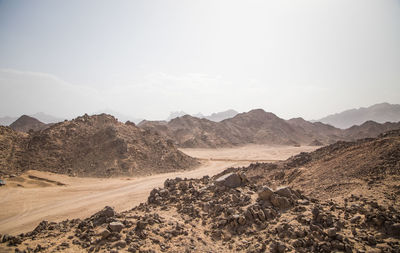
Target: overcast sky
305	58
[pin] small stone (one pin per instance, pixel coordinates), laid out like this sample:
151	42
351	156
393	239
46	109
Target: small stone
121	244
331	232
393	229
104	233
64	244
107	212
355	219
116	226
241	220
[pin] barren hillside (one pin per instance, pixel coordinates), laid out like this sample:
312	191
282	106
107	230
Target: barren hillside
188	131
258	127
369	129
97	146
368	166
12	145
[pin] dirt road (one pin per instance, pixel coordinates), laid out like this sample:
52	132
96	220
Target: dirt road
22	208
37	196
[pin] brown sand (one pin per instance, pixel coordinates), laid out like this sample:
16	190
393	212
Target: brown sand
251	152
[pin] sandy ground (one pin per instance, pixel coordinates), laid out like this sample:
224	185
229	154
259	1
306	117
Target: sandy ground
37	196
249	153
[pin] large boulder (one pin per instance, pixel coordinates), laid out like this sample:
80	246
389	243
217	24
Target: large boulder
265	193
103	216
231	180
284	192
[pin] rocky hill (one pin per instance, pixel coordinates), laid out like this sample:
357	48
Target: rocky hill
26	123
96	145
369	129
225	213
367	166
255	126
258	127
380	113
189	131
321	133
12	146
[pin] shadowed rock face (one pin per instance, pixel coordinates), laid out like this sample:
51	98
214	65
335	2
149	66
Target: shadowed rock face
96	145
205	216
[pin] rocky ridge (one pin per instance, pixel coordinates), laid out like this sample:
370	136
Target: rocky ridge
370	166
258	127
381	113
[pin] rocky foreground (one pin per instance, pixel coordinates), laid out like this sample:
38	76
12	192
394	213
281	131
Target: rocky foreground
226	213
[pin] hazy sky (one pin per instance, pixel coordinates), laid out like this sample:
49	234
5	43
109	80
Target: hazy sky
147	58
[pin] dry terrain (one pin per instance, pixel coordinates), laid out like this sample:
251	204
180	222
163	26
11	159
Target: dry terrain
250	152
339	198
236	211
35	196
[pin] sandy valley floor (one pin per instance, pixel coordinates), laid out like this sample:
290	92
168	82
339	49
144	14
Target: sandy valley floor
248	153
37	196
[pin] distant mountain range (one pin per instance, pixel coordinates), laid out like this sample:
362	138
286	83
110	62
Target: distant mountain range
379	113
258	127
230	128
216	117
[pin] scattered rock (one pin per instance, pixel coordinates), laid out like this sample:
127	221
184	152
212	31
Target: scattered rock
284	192
104	233
231	180
116	226
265	193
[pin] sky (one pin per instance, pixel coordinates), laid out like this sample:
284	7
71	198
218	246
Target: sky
299	58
